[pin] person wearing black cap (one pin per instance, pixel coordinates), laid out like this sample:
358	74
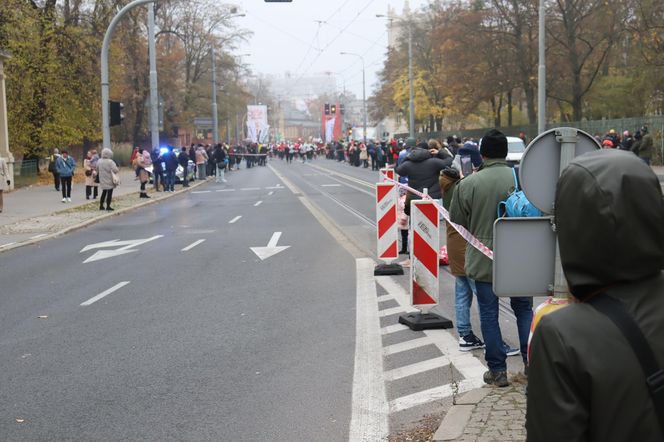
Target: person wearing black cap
474	207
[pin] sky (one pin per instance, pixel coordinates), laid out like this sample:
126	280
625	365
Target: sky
305	37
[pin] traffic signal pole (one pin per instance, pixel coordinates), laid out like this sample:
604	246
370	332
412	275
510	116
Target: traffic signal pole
105	112
154	93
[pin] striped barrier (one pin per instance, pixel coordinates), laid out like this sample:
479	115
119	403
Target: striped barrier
386	229
387	174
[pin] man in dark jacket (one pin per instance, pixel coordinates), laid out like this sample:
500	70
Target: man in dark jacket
474	206
423	170
585	382
157	169
171	164
183	160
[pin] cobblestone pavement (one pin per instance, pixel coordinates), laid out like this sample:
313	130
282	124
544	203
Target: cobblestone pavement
500	416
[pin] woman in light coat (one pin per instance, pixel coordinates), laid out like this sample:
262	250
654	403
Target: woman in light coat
143	161
106	168
5	180
90	168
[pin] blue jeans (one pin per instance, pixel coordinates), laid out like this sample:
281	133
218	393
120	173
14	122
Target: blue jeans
463	299
170	180
488	303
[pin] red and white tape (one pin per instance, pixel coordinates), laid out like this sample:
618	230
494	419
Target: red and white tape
386	215
465	234
424	285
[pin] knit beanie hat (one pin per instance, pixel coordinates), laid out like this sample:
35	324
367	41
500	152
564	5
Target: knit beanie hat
493	144
411	142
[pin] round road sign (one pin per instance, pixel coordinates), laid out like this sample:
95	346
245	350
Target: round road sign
540	165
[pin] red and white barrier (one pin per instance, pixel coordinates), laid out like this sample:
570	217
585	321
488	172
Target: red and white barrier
386	220
424	254
387	174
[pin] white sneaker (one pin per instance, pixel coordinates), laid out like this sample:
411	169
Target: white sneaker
64	200
69	200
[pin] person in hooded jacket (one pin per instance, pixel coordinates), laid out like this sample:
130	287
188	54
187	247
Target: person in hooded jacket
106	167
585	382
423	169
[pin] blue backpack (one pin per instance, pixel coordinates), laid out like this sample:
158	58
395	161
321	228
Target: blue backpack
517	205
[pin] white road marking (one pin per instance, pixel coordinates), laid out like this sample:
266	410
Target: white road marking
272	249
393	329
38	236
407	345
384	298
234	220
278	186
391	311
201	191
105	293
7	245
330	185
270	193
192	245
225	190
251	188
103	254
420	367
430	395
369	417
258	203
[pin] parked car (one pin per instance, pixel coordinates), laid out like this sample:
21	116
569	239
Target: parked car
515	149
178	171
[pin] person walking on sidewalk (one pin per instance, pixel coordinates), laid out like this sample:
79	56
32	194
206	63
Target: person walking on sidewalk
456	251
107	169
90	168
183	160
586	381
143	161
5	180
474	206
65	165
201	158
52	160
219	158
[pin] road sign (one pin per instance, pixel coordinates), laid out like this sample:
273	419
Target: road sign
127	247
272	248
540	165
524	252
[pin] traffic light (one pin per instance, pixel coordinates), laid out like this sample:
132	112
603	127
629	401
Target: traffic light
116	108
333	109
342	109
327	109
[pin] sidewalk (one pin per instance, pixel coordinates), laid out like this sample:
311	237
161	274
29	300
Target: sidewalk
37	213
487	414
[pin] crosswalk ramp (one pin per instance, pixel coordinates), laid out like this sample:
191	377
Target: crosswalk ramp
404	370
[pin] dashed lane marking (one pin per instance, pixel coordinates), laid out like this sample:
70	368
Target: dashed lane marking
201	191
270	193
330	185
38	236
192	245
251	188
225	190
104	293
234	220
258	203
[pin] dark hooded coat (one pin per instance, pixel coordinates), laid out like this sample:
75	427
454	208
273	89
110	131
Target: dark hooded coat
423	171
585	383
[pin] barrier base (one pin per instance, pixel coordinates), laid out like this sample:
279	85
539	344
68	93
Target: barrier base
388	269
424	321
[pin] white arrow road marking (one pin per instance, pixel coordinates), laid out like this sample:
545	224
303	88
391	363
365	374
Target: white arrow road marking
103	254
105	293
234	220
101	245
272	249
192	245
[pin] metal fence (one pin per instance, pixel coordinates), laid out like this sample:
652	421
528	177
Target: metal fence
593	127
26	173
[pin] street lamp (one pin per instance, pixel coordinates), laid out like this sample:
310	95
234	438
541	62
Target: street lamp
364	94
411	100
215	122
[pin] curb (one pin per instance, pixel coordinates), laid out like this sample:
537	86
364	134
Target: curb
456	419
101	218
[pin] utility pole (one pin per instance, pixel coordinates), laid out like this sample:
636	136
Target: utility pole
154	92
105	113
541	74
215	122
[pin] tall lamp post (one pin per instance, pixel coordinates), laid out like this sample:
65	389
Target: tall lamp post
364	92
541	74
411	99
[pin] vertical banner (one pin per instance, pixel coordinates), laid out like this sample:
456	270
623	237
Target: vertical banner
257	127
386	221
329	128
424	254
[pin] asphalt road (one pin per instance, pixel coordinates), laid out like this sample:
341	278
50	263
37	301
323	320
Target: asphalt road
186	334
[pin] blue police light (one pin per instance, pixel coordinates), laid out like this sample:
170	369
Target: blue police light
163	150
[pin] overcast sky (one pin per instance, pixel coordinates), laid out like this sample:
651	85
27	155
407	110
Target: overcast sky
288	36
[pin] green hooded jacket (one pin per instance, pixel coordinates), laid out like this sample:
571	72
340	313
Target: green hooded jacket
475	205
584	380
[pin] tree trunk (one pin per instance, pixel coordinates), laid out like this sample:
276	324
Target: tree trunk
509	108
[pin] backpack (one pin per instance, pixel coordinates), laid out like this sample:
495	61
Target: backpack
517	205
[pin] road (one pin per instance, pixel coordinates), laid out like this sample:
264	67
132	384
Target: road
164	324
